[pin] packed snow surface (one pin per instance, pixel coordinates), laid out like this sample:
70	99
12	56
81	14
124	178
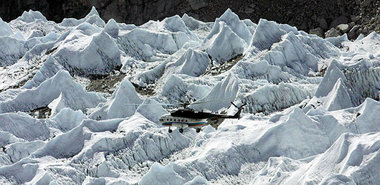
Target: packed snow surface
80	102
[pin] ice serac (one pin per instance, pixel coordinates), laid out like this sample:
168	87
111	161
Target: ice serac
367	117
63	146
237	26
333	73
312	102
361	80
338	98
48	70
271	98
20	172
291	52
221	95
123	103
176	25
299	54
74	95
261	69
223	44
251	27
57	104
20	150
228	38
68	119
30	16
24	126
199	28
112	28
84	55
5	29
159	174
193	63
143	44
135	140
152	110
11	50
152	40
267	33
190	22
177	88
92	18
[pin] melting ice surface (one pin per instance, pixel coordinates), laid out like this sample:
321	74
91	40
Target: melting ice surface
80	102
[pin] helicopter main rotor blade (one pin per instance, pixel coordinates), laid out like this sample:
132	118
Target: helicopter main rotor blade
215	100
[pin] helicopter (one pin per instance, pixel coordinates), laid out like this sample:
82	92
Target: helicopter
187	117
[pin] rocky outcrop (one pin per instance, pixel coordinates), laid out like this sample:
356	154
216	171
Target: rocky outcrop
305	15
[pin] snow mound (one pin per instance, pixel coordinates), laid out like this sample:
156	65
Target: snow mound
276	170
290	138
352	156
123	103
159	174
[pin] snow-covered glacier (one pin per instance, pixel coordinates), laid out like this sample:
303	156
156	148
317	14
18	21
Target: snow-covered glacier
80	102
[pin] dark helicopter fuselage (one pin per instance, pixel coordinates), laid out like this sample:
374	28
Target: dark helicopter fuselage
186	117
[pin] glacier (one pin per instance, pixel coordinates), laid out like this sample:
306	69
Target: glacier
80	102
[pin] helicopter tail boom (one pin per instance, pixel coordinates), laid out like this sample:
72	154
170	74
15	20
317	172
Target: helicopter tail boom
237	114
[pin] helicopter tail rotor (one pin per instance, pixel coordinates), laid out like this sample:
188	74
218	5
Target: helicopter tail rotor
240	108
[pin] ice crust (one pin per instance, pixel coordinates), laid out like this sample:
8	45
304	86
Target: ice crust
312	113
